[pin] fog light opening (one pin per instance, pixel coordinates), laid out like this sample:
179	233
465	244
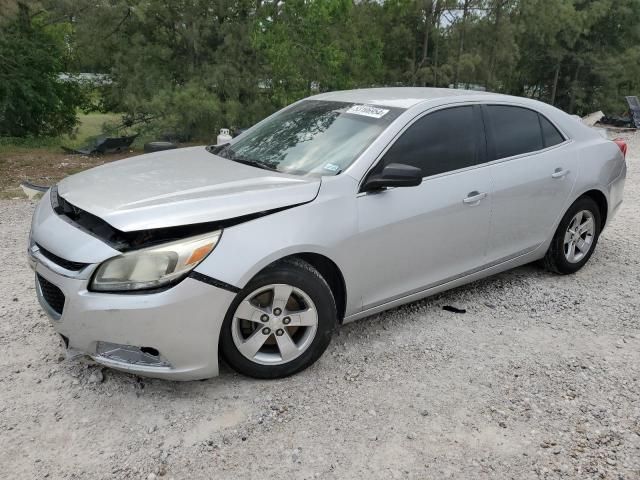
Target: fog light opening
131	355
151	351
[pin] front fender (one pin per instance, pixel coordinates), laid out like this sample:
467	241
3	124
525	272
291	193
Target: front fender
326	226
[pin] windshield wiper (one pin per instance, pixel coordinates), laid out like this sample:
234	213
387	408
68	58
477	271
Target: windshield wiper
252	163
215	149
225	152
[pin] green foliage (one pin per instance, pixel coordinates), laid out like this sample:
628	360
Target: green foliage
317	44
187	68
190	67
33	101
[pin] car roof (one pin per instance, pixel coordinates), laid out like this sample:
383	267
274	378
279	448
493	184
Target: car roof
402	97
408	97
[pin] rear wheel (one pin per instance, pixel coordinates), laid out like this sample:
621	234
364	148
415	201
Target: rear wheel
576	237
280	323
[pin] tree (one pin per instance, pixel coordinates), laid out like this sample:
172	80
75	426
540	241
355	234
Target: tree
185	67
308	45
33	99
192	66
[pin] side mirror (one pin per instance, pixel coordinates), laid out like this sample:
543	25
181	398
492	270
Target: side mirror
394	175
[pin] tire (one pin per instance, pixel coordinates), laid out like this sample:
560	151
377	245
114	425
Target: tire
158	146
557	258
311	297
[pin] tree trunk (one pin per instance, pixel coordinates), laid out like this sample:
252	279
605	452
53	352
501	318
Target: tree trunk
428	10
463	29
435	54
554	88
428	23
492	55
414	64
574	85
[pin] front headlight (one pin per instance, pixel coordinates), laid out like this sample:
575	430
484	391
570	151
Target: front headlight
155	266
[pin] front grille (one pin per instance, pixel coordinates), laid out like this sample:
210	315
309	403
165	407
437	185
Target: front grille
66	264
52	295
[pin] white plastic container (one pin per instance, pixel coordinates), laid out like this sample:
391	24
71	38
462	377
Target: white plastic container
224	136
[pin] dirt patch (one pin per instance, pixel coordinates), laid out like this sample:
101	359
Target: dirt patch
44	167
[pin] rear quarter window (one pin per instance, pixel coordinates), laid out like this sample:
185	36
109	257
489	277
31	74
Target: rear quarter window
550	134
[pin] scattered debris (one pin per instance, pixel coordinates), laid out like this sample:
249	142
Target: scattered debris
618	121
295	455
102	145
630	120
32	190
449	308
96	376
593	118
634	110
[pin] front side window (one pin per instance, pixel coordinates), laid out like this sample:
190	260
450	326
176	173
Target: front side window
314	137
515	130
439	142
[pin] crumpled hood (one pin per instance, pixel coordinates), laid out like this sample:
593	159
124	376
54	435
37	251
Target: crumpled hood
181	187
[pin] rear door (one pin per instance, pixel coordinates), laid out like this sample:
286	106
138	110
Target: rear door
533	172
412	238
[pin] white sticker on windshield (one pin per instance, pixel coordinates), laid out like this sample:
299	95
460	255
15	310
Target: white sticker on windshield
368	111
332	167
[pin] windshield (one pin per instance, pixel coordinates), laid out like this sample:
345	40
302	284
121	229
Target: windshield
314	137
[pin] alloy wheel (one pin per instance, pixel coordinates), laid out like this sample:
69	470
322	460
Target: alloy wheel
579	237
274	324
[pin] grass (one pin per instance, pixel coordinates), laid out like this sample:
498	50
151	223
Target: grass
12	144
42	160
90	126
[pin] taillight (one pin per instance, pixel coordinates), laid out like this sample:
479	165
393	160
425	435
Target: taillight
622	145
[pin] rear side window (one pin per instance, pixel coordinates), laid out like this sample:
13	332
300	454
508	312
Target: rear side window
550	134
515	130
439	142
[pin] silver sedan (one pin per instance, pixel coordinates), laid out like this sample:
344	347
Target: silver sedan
337	207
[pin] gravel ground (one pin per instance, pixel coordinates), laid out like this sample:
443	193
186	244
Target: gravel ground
539	379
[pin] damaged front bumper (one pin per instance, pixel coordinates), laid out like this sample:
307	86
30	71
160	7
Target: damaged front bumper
170	334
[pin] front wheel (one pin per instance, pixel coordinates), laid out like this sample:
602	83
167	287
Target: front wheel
575	239
280	323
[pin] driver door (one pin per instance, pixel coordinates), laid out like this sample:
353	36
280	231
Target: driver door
413	238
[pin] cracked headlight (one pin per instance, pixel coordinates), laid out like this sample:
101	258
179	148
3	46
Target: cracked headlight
153	267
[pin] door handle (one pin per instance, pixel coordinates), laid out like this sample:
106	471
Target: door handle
474	198
559	173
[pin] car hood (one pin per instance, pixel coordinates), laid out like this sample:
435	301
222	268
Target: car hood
181	187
